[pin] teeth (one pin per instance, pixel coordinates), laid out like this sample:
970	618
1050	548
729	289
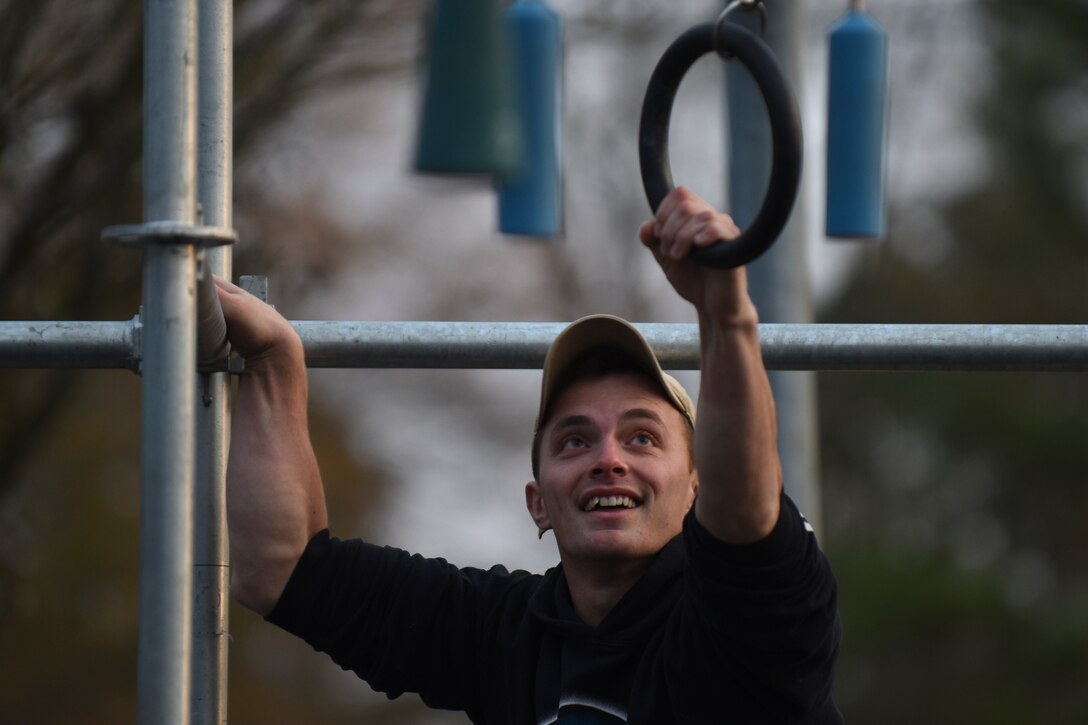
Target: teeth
609	502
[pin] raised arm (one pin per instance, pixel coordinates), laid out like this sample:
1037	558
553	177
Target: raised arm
275	501
740	478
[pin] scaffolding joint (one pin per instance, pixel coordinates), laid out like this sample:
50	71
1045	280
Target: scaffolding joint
169	232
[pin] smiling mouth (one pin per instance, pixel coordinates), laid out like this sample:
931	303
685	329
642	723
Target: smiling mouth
609	502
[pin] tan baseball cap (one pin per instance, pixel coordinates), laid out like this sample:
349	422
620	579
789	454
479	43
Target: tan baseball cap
610	333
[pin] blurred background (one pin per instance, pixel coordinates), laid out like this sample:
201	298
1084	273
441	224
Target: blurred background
954	504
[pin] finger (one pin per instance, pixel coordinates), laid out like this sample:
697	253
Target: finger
669	204
221	290
235	300
646	233
225	284
651	241
228	300
682	218
720	228
685	235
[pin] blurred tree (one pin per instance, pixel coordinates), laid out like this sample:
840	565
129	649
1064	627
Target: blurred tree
70	146
955	502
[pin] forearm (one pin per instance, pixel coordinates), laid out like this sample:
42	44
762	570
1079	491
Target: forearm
275	500
740	480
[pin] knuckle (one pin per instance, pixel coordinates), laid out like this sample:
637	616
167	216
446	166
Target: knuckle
689	207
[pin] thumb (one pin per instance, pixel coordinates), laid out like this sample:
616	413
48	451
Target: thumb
646	233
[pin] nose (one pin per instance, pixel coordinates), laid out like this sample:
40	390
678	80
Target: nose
610	460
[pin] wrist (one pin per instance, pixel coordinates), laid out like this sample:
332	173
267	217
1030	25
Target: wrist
277	376
721	322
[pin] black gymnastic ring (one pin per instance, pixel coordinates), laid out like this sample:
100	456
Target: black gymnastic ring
785	135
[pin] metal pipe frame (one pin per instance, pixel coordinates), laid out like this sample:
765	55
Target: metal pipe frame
167	367
522	345
211	557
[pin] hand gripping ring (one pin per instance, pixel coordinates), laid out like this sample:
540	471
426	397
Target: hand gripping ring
785	135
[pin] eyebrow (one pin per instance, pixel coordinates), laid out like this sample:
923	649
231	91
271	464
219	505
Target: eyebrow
639	413
572	421
577	420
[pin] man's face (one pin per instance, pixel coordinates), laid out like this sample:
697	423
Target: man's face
616	476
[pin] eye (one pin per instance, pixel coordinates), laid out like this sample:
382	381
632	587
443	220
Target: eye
642	439
572	442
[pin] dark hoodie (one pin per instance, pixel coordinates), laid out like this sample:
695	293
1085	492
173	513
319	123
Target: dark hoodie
711	633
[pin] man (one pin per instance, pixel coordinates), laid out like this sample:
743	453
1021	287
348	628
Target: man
690	589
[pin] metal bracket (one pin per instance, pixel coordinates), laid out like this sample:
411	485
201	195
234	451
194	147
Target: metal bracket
138	341
729	10
169	232
212	346
256	285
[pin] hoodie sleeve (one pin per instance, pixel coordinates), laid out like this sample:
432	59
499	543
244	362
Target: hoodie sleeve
402	622
771	612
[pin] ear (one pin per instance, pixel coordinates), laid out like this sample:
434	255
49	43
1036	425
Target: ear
694	487
534	502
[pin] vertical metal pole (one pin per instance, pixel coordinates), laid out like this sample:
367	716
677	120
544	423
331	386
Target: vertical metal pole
779	279
211	580
169	369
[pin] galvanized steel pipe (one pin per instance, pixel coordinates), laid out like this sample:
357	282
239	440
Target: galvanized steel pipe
168	369
211	560
108	345
522	345
515	345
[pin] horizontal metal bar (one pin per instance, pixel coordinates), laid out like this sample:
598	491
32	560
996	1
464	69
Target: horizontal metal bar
108	345
111	345
828	347
1046	348
523	345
